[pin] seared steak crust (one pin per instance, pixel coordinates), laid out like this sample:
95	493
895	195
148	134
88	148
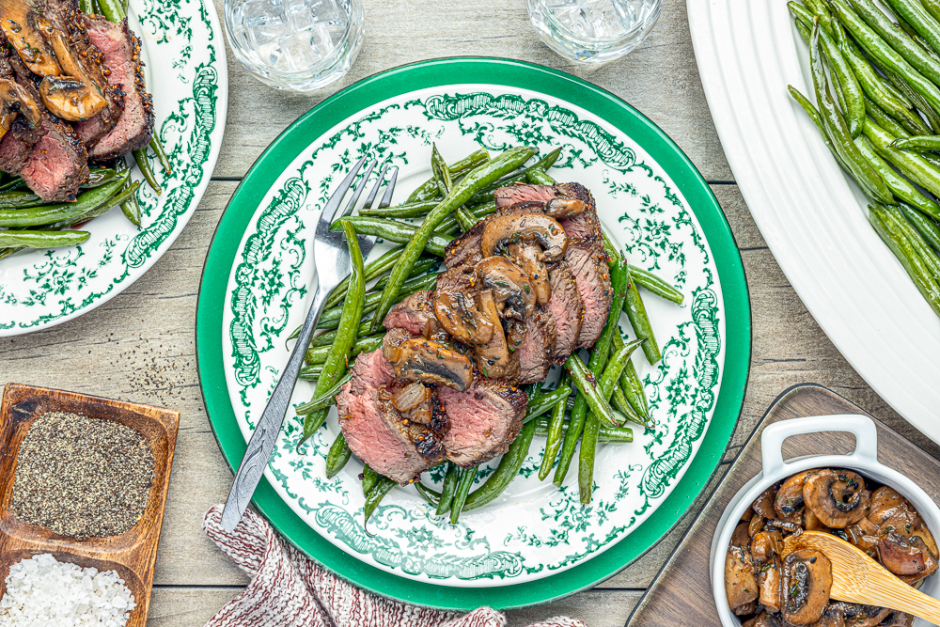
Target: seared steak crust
566	310
588	264
484	420
18	142
585	225
121	50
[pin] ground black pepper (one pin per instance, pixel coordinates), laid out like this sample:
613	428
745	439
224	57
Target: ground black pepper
82	477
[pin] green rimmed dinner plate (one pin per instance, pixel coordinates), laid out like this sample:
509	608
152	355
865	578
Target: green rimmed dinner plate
536	543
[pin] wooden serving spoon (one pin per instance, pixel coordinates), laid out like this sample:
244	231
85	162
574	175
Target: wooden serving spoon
857	578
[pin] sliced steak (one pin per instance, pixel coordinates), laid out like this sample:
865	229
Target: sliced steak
374	429
585	225
520	192
484	420
121	50
18	142
566	310
588	264
415	314
535	352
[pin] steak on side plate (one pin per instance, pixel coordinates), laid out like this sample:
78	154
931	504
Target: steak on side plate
483	421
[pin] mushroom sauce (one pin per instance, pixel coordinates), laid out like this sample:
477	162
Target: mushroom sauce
769	589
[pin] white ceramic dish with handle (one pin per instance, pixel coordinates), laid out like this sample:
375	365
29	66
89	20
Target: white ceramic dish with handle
863	460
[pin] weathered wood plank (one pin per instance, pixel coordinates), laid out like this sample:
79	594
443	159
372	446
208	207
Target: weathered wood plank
660	78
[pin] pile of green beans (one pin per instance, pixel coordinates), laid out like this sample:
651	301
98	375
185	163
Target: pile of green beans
590	403
877	112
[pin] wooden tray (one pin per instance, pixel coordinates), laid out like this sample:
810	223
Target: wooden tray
132	554
681	594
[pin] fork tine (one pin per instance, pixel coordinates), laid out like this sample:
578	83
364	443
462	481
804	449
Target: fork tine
357	193
387	198
378	184
337	198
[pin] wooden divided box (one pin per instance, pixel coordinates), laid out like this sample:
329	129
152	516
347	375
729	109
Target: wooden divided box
132	554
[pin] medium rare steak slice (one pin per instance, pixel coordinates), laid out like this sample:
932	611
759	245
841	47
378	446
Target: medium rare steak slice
512	194
484	420
374	429
535	352
585	225
121	49
566	310
18	142
588	264
57	164
415	314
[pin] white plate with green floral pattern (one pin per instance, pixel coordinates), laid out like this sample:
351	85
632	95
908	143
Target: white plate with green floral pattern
536	542
185	71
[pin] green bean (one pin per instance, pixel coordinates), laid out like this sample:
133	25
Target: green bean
910	164
311	373
901	187
849	88
932	7
429	495
325	400
382	487
140	156
838	133
41	239
872	40
933	119
544	403
902	227
635	309
99	176
328	337
101	209
448	489
464	218
398	232
548	160
428	190
508	469
911	261
157	147
917	144
555	433
927	228
656	285
86	7
369	479
631	384
449	226
335	364
49	214
479	177
619	435
330	317
409	210
15	184
618	401
913	12
18	200
131	210
338	456
539	177
467	477
368	344
112	10
373	269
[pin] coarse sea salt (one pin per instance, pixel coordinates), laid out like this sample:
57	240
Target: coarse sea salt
44	592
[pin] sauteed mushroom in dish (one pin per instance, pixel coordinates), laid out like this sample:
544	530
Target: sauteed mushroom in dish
767	588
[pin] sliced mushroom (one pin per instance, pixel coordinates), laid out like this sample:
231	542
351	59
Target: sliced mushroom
502	231
740	578
768	583
765	545
785	526
15	100
512	292
740	537
885	502
837	499
492	357
811	521
72	97
920	531
764	620
897	619
419	359
906	557
747	515
764	503
805	584
830	618
857	615
457	309
789	499
18	20
755	526
864	535
746	609
563	206
526	256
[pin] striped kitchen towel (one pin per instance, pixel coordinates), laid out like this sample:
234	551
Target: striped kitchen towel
289	590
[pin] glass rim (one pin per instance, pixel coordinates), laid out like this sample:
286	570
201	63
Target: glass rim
595	41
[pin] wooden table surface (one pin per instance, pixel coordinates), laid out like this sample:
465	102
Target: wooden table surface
140	346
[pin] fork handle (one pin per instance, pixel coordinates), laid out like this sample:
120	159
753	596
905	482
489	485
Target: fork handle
262	441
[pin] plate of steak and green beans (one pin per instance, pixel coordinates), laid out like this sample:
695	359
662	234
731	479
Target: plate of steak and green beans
828	113
104	150
532	375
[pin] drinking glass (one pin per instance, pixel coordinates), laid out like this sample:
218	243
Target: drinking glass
593	31
299	45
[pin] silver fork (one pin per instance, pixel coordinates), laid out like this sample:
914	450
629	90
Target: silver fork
333	264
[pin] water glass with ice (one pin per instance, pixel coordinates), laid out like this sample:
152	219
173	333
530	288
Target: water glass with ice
593	31
299	45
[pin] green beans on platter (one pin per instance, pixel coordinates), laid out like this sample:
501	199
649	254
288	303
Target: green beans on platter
399	232
429	190
907	255
928	229
41	239
618	435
